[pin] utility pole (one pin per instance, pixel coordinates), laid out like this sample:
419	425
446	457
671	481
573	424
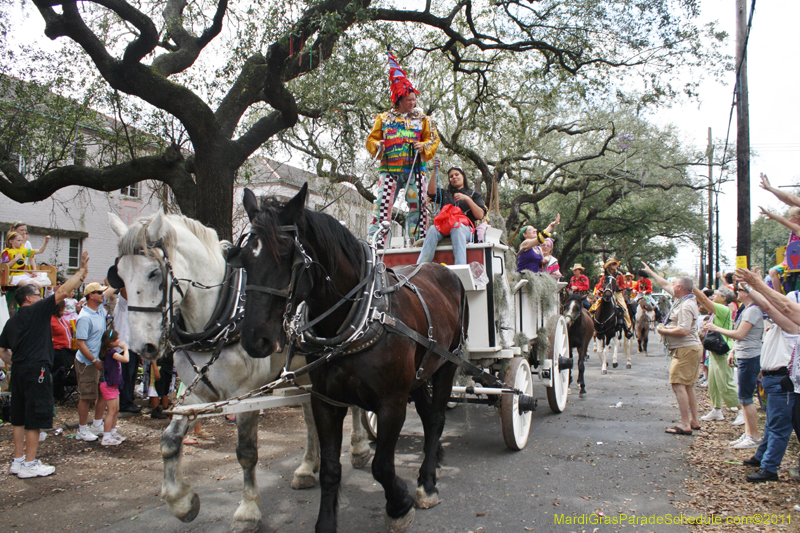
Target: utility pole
716	219
710	156
742	136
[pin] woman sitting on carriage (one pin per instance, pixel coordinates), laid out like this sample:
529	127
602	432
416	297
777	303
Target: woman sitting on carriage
616	283
530	254
471	204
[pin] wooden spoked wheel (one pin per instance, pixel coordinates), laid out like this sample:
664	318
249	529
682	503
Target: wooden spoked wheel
516	425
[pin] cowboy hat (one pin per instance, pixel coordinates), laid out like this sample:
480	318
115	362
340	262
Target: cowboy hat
628	274
577	266
610	262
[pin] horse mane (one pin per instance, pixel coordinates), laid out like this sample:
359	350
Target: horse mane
330	235
136	239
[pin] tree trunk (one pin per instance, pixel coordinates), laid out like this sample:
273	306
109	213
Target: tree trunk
213	196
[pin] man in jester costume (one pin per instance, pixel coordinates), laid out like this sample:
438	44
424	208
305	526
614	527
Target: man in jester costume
610	271
405	139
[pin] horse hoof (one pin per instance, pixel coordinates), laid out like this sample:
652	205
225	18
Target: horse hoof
605	371
303	481
628	366
423	500
398	525
248	526
361	460
582	393
615	365
194	509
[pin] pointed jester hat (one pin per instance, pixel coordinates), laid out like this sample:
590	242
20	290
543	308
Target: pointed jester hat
398	80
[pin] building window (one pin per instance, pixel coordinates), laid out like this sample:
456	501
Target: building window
74	253
131	191
80	155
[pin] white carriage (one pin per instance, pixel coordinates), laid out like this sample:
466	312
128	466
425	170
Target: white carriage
506	321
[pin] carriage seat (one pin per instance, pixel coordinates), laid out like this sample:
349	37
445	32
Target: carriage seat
49	271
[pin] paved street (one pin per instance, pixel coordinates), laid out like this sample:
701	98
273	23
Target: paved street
593	458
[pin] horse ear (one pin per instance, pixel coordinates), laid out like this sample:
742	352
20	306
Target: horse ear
154	229
250	203
117	225
294	207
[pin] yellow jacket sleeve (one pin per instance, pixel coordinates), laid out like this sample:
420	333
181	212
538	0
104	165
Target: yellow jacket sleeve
375	136
430	138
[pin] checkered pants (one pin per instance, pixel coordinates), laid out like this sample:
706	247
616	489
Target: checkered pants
416	226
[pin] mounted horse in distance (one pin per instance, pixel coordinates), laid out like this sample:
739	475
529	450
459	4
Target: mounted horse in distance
359	329
178	287
609	321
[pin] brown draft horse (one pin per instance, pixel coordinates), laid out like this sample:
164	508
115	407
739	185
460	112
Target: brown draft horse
581	330
296	255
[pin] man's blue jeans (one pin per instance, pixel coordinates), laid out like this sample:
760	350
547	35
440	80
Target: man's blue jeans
460	237
779	424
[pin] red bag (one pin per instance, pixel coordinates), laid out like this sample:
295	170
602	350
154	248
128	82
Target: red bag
451	217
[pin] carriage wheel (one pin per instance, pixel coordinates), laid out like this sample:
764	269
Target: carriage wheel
559	345
370	422
516	426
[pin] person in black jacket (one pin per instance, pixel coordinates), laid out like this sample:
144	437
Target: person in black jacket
27	343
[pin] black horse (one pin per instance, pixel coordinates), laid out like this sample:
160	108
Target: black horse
295	255
581	331
609	323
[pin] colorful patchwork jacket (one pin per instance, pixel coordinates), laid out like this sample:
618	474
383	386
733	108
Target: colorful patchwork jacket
399	130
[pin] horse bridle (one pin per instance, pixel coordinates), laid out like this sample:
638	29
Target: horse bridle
169	284
301	262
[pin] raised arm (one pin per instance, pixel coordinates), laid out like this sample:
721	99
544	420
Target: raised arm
666	285
703	302
774	216
75	281
785	197
781	320
779	301
44	246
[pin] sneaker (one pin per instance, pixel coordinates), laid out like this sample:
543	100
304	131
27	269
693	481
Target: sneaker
737	441
15	466
118	436
703	383
714	414
739	419
35	469
111	440
746	442
96	430
85	434
797	508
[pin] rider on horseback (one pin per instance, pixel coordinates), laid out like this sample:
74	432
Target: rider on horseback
616	283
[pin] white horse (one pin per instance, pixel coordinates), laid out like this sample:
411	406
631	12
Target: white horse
195	253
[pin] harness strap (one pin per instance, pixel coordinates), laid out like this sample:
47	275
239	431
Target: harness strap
403	280
202	373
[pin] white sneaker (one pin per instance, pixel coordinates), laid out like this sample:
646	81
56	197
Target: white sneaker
35	469
714	414
746	442
96	430
703	384
15	466
111	440
118	436
85	434
739	419
737	441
